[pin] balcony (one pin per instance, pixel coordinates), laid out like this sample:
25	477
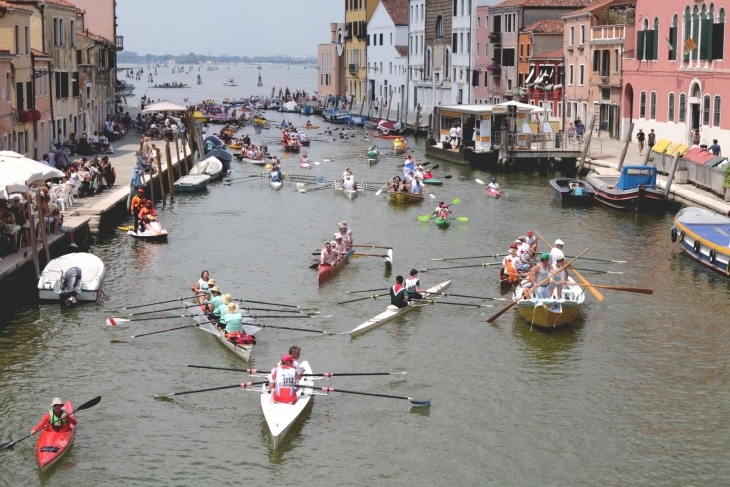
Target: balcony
608	34
495	38
352	68
120	43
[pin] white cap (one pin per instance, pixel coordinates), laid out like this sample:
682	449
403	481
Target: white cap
338	235
559	242
333	243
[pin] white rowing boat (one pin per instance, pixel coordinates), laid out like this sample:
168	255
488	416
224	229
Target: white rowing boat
350	193
243	351
393	311
281	417
276	185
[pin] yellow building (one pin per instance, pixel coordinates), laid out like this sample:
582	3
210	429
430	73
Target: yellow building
357	16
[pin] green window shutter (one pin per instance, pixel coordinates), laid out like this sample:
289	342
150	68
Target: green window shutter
673	41
640	45
706	44
654	45
718	41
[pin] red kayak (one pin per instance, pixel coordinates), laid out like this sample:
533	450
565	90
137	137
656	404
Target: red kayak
327	272
53	444
493	193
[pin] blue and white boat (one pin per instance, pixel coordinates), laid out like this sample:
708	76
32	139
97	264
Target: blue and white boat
635	189
335	115
705	236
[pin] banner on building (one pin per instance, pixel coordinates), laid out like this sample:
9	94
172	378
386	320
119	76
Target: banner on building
689	44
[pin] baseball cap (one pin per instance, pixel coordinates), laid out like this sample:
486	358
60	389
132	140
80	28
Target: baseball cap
559	242
287	358
529	233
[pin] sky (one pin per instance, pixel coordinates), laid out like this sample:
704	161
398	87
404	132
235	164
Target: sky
233	27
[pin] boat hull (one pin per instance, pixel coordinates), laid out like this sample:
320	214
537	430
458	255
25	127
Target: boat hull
494	194
405	198
192	183
552	312
258	162
149	236
443	222
241	351
53	445
276	185
433	182
93	272
572	191
327	272
641	199
703	235
392	311
281	417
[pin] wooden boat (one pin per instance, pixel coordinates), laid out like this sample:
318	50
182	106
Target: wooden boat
635	189
310	126
433	182
280	416
705	236
351	194
443	222
275	185
399	146
191	183
291	144
405	198
258	162
505	282
242	351
379	135
210	166
552	312
52	445
235	145
393	311
571	190
72	277
494	193
327	272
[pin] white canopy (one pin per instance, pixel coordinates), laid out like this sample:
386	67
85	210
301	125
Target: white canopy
8	186
164	106
512	103
20	169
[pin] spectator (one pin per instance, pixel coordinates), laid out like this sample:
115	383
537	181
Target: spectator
651	139
640	138
715	148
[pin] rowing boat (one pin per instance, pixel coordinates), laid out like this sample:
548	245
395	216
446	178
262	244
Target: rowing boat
243	351
275	185
327	272
258	162
52	445
350	193
403	197
493	193
393	311
280	417
372	160
433	182
551	312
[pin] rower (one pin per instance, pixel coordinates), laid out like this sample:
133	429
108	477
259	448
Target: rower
222	309
418	187
493	186
413	286
200	288
398	294
539	275
275	174
233	320
428	174
329	255
213	303
339	246
560	276
346	233
442	210
57	418
511	263
295	352
532	242
349	184
347	173
304	159
556	253
523	250
284	378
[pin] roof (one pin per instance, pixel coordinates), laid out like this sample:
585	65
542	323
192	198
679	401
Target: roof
9	5
547	26
597	4
574	4
554	54
37	54
398	10
4	49
94	37
402	50
60	3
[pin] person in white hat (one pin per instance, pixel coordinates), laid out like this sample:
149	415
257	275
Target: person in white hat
338	245
233	320
57	418
346	234
557	252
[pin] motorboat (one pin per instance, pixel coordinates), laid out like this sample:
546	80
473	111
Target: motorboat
71	278
230	82
153	232
211	166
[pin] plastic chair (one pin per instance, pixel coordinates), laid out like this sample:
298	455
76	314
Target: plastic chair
75	192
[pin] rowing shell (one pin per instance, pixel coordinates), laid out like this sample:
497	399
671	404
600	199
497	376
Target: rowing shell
276	185
280	417
393	311
243	351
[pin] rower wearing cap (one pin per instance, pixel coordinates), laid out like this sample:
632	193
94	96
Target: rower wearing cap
346	233
329	255
428	174
557	252
338	245
523	254
493	185
539	277
57	418
413	286
560	275
284	378
532	242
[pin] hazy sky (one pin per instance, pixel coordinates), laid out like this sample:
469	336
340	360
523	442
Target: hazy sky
235	27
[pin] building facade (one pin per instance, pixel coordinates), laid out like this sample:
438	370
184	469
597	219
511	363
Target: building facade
330	62
357	15
434	88
388	55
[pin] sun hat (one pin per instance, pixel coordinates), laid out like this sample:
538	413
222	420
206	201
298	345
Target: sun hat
338	235
227	298
215	289
287	358
57	400
211	282
342	224
232	307
559	242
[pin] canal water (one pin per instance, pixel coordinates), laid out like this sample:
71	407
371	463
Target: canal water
635	392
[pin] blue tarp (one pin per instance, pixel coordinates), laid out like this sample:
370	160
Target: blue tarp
210	143
633	176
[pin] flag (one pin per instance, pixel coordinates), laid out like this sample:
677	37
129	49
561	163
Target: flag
689	45
671	47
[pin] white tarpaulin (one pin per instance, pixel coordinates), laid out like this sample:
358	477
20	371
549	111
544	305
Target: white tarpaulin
17	167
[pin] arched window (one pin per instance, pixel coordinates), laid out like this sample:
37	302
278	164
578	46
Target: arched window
716	112
718	36
682	108
673	38
439	26
670	112
642	105
706	110
652	106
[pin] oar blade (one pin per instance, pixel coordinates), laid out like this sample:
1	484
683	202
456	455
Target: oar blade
420	403
115	321
424	218
89	404
480	181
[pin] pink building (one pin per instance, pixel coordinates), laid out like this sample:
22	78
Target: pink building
42	90
481	59
675	80
330	63
6	97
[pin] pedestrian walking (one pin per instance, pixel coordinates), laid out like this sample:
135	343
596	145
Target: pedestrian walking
715	148
651	139
641	138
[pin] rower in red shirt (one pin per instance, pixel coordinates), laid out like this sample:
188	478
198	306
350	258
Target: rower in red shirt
283	379
57	418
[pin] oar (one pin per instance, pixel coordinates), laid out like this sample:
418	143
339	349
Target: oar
228	180
374	296
640	290
595	293
86	405
278	310
163	331
371	246
381	189
433	301
366	290
272	304
529	291
162	302
162	310
600	260
238	182
473	297
369	255
243	384
325	374
324	332
426	218
595	270
114	321
475	257
415	402
485	264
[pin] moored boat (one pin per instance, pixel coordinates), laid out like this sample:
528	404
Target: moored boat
572	190
72	277
191	183
393	311
210	166
433	182
635	189
280	417
704	236
52	445
405	198
222	155
551	312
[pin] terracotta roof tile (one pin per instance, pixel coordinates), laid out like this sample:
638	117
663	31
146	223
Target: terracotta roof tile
600	4
547	26
62	3
4	4
37	53
93	37
402	50
398	10
554	54
4	49
575	4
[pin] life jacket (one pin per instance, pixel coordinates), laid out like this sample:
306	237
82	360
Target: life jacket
57	422
241	338
511	271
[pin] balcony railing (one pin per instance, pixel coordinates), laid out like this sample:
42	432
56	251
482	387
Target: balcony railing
120	43
608	32
495	37
353	68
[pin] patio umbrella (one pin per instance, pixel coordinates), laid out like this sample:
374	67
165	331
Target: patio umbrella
18	167
9	185
164	106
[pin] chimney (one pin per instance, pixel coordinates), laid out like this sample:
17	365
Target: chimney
333	30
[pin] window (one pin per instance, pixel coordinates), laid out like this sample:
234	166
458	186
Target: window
672	56
391	38
447	63
706	110
596	60
647	41
468	42
571	70
19	98
508	57
75	90
581	74
642	105
582	34
616	61
456	9
17	40
60	32
454	42
652	106
670	112
439	26
27	40
477	49
682	108
716	112
72	35
428	62
510	22
571	36
381	39
8	87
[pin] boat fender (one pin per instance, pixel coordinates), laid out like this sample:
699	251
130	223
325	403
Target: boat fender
681	235
697	246
727	269
674	234
712	256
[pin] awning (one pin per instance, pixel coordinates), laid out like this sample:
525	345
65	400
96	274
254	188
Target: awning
529	76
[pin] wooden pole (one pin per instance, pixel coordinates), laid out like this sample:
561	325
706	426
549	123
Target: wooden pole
185	154
41	218
627	139
587	143
33	243
158	158
180	164
168	160
670	178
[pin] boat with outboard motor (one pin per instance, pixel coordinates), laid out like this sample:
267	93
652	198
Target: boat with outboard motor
705	236
572	190
191	183
72	277
634	189
280	417
211	166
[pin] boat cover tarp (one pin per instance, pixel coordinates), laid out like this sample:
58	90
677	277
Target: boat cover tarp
709	226
211	142
633	176
220	154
